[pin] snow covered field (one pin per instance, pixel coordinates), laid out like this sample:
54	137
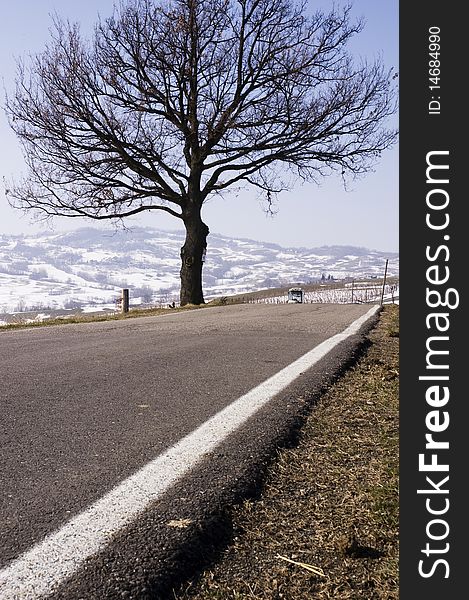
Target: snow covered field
86	269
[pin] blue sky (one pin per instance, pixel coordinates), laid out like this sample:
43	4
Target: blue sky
309	215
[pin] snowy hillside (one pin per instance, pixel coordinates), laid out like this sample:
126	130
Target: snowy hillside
88	267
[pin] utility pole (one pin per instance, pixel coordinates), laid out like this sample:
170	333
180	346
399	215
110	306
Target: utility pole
384	281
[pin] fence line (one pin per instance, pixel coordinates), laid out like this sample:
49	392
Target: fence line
359	293
345	295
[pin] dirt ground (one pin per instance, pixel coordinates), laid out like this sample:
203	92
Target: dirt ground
326	524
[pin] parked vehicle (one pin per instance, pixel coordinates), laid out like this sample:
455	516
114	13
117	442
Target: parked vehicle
295	296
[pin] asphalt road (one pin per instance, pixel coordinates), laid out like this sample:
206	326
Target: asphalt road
85	406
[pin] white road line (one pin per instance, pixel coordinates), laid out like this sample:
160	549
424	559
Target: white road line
36	572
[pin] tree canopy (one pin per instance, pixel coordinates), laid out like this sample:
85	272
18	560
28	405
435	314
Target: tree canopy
174	101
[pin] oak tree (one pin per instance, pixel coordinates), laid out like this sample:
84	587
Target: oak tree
174	101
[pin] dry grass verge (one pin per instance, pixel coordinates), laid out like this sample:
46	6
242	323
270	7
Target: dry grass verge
20	321
326	525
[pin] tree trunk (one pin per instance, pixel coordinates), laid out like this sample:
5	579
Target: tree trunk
192	257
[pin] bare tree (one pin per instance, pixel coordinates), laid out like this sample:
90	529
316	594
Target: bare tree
177	100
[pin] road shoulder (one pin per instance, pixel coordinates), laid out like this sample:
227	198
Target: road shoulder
326	524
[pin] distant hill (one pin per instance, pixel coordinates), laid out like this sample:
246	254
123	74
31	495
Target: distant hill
88	267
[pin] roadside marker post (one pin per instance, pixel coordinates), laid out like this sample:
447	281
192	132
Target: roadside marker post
125	300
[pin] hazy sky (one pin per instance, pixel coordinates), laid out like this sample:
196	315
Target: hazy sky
309	215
